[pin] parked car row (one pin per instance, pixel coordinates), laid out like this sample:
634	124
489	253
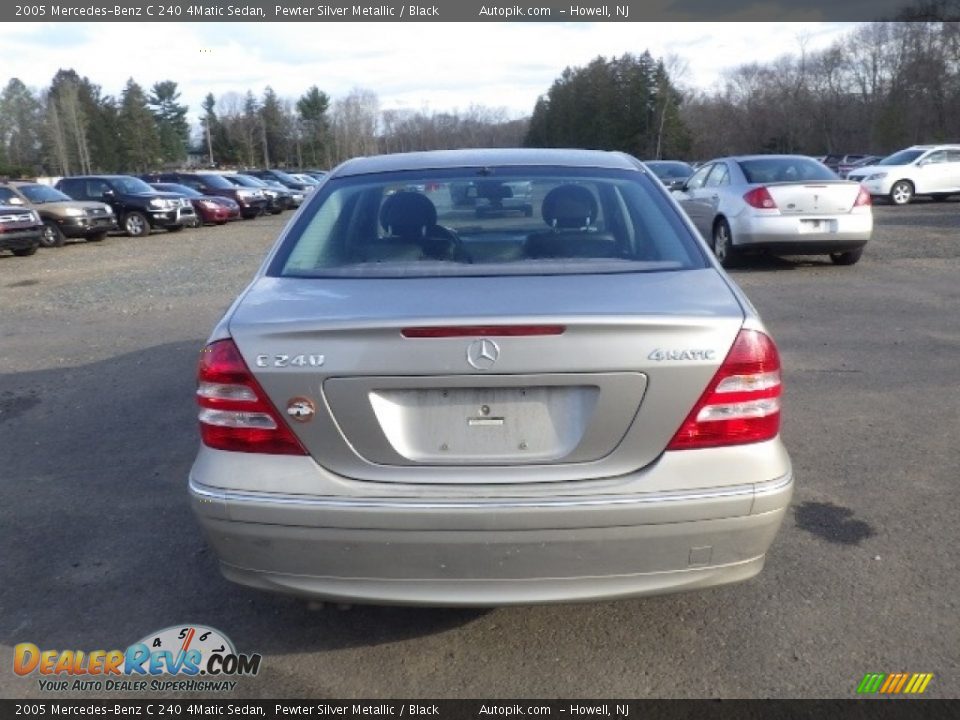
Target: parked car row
34	215
61	216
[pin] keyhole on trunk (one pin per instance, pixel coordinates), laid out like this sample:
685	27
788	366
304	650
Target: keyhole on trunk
484	409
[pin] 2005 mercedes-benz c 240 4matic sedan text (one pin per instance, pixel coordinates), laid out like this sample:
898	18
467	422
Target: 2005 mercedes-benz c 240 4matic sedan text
413	403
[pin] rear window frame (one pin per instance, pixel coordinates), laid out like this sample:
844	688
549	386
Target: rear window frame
288	240
747	172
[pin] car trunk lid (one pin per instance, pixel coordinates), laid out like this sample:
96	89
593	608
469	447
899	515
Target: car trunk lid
814	198
483	402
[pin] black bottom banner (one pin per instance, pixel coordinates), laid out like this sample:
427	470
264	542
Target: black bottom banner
486	709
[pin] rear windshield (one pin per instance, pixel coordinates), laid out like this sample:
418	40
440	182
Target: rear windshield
784	169
501	222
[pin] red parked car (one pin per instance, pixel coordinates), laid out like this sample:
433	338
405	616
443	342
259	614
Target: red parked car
210	209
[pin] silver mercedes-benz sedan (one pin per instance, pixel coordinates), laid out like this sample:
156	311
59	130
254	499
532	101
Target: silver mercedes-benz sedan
789	204
414	404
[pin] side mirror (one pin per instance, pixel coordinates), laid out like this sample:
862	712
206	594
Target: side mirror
109	194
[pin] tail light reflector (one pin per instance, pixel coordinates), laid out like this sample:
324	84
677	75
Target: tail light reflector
863	198
742	402
760	198
235	413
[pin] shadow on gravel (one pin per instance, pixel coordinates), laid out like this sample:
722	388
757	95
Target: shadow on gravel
833	523
921	213
767	263
100	546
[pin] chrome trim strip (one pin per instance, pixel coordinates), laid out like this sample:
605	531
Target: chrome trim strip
214	494
771	487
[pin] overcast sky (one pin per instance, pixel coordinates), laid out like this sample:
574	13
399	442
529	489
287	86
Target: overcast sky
438	66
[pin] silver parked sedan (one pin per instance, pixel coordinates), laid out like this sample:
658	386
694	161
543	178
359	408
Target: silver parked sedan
788	204
412	404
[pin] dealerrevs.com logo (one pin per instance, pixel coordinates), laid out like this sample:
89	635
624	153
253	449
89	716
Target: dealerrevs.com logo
202	658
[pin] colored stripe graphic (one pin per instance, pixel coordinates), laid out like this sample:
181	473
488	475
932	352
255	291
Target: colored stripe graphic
918	683
894	683
870	683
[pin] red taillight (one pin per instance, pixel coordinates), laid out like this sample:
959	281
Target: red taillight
760	198
742	403
235	413
481	330
863	198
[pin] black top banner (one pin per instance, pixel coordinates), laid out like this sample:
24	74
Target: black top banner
474	11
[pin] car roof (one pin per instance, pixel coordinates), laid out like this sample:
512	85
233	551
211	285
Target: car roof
98	177
19	183
452	159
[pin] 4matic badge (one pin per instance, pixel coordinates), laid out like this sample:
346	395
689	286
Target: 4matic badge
660	355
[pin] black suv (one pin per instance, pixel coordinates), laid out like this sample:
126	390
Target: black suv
138	206
252	202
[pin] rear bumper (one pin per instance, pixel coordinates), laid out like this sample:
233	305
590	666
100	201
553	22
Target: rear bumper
489	552
796	235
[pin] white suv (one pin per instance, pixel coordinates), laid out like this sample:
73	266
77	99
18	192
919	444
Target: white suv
932	170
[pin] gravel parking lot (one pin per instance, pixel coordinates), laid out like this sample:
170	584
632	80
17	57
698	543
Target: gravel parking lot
98	345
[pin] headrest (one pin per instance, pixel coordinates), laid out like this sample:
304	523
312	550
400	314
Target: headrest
569	206
407	214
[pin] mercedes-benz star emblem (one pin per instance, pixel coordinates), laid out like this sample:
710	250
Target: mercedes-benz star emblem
483	353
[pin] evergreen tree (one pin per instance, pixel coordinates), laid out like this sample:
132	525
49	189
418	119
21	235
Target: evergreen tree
626	103
139	138
274	129
20	122
171	120
67	122
313	108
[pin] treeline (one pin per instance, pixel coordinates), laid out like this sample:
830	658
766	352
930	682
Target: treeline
626	103
73	127
882	87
